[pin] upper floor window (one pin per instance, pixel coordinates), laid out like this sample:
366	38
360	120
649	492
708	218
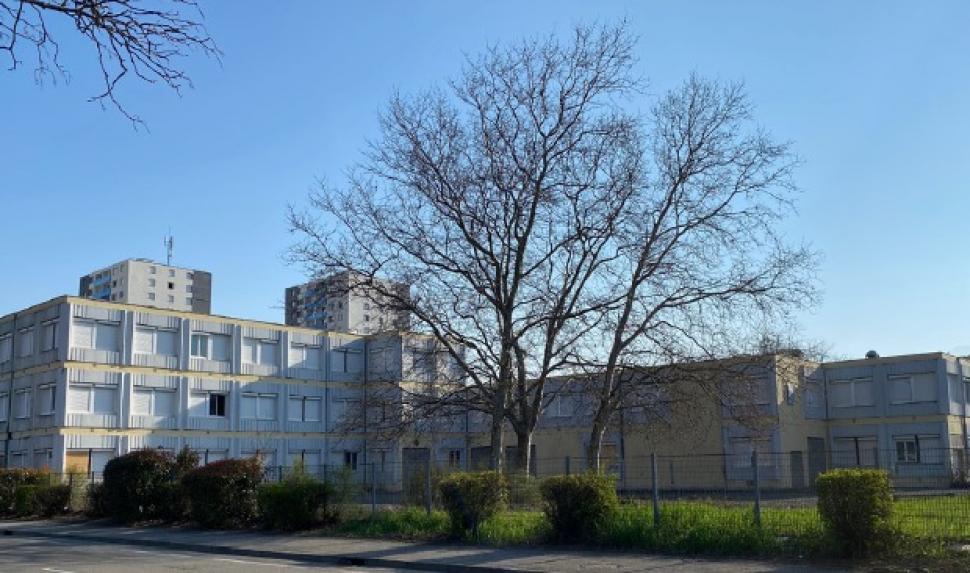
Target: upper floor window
559	407
152	270
95	335
910	388
26	339
153	401
91	399
46	398
48	334
255	406
852	392
345	360
926	449
210	346
211	404
171	272
6	348
151	282
304	356
4	405
304	409
151	340
259	351
21	403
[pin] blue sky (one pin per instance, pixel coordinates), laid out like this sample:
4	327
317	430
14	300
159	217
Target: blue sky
874	96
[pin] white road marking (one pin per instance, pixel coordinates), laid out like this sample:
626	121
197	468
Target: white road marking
52	570
239	561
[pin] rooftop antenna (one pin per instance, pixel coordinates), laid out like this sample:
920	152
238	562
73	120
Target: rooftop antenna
169	243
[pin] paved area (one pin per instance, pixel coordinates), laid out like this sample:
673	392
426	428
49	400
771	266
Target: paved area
51	555
314	550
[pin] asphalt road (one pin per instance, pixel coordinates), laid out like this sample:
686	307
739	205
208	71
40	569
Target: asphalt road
21	554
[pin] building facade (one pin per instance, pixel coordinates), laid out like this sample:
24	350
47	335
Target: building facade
339	303
148	283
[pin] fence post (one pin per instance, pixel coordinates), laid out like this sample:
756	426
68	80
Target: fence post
875	457
656	489
757	488
567	465
373	488
427	485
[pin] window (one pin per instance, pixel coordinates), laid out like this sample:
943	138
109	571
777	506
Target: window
559	407
304	356
850	393
189	275
454	458
26	337
48	335
304	409
90	399
171	298
188	288
21	403
4	398
926	449
217	405
210	346
46	395
6	348
171	272
344	360
258	406
151	282
911	388
855	451
171	286
188	300
151	296
152	270
350	460
95	335
742	450
200	345
153	401
257	351
150	340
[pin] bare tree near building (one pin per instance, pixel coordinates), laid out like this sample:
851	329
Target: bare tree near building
495	199
701	264
130	38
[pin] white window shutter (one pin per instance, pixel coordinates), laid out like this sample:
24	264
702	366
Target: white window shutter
249	350
312	409
311	358
924	388
99	459
267	407
141	402
106	337
166	342
248	406
296	356
79	399
104	400
144	340
268	353
165	401
295	409
198	404
83	334
220	347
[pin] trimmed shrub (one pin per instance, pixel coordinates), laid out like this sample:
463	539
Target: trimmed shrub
135	485
471	498
855	506
579	507
43	500
298	502
96	506
11	479
223	494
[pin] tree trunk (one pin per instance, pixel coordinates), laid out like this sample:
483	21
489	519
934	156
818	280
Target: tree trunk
595	442
523	453
496	441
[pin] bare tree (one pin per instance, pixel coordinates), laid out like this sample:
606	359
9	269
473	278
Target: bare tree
701	267
494	199
131	38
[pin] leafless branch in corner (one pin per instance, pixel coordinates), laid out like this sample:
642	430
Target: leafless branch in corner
130	38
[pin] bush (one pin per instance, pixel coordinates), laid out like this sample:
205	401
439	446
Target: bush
223	494
298	502
471	498
855	506
96	506
11	479
136	485
43	500
579	507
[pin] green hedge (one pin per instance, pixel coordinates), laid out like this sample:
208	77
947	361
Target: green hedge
42	500
298	502
11	479
135	485
223	494
855	506
579	507
471	498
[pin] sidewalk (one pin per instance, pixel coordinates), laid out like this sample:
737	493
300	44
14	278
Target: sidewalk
383	553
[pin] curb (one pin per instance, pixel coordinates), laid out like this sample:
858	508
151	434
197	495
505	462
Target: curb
340	560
